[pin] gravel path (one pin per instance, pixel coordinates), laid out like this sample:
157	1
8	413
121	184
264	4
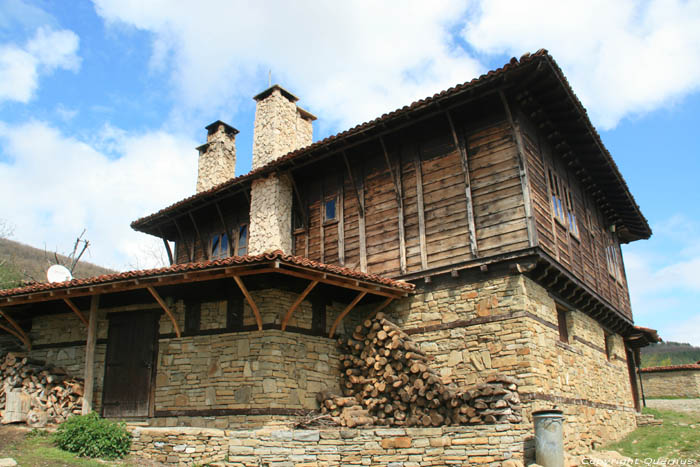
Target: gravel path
691	406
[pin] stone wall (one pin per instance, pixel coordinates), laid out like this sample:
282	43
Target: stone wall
217	158
475	327
676	383
270	214
501	445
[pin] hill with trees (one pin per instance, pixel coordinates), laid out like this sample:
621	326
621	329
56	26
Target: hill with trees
669	353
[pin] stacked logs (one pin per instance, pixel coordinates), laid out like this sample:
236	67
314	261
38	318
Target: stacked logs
387	380
53	395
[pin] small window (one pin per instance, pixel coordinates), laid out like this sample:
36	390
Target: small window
563	325
242	240
573	225
297	220
613	261
193	314
608	345
329	211
557	205
219	246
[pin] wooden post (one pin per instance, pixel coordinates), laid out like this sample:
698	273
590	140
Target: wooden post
361	226
396	178
421	209
90	355
322	220
461	146
340	212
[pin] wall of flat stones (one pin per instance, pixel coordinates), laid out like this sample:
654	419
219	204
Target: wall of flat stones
474	328
270	215
680	383
475	445
259	369
217	162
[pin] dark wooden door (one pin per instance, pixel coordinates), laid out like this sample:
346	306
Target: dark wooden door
130	364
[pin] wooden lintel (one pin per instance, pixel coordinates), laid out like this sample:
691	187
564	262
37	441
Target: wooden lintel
396	178
205	249
297	302
229	232
90	344
24	337
184	240
523	171
251	302
165	308
75	309
467	185
360	201
347	310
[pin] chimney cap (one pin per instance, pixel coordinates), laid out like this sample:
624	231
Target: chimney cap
306	114
269	91
211	128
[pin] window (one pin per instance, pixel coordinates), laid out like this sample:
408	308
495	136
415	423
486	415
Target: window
573	225
219	246
234	313
329	212
242	247
562	315
613	261
608	345
193	313
557	205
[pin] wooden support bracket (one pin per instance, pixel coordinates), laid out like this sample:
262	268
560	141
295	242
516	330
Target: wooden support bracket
347	310
184	240
360	200
229	232
297	302
384	304
165	308
19	332
396	178
251	302
75	309
205	249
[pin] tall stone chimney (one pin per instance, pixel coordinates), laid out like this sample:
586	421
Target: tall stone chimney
280	127
217	157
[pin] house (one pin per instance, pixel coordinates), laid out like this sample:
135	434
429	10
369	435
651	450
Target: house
486	221
672	381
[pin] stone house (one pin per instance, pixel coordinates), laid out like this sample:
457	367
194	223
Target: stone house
672	381
485	220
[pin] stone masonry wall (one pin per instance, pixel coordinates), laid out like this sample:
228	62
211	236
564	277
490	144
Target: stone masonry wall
496	445
217	159
474	328
681	383
270	214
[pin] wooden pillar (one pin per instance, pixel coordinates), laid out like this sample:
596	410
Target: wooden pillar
90	355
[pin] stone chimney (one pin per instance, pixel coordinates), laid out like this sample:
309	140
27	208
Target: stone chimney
217	157
280	127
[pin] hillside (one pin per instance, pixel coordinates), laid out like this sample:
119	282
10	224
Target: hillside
20	262
669	353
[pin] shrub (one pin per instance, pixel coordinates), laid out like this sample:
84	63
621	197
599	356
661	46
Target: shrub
92	436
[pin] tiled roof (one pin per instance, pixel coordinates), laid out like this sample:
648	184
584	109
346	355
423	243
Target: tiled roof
643	229
690	366
203	265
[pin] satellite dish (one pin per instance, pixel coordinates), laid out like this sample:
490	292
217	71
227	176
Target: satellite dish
58	273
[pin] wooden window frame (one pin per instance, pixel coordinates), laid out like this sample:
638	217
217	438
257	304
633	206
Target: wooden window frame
221	246
607	336
613	258
327	199
555	198
572	220
237	238
563	324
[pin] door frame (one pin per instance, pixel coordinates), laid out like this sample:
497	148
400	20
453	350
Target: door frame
155	316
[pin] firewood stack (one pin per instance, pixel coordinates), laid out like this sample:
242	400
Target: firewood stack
387	380
54	396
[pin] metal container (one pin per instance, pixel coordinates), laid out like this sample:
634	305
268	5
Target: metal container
549	437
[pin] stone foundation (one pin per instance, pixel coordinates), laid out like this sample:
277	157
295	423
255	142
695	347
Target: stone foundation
412	447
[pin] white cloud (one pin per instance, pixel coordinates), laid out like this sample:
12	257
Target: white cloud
348	61
54	186
622	58
47	51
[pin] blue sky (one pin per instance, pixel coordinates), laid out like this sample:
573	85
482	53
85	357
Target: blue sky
102	104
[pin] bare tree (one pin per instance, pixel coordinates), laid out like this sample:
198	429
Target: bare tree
6	229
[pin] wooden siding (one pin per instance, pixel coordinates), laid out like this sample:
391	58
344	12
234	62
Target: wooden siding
584	256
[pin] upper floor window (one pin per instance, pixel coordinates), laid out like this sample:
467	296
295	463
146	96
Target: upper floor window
573	225
219	246
242	247
613	260
329	211
557	204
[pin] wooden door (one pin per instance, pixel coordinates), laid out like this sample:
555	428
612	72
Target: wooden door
130	364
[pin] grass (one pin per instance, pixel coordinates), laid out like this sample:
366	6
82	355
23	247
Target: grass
677	438
36	449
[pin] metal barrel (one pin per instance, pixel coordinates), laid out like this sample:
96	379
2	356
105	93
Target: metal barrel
549	438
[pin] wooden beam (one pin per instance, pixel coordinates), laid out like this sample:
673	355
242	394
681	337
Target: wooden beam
171	260
384	304
251	302
467	186
399	201
89	376
361	227
227	229
184	240
165	308
205	248
297	302
360	201
418	163
322	219
75	309
340	213
300	202
347	310
24	337
15	334
522	168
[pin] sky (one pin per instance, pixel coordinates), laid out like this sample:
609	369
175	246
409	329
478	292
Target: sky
102	104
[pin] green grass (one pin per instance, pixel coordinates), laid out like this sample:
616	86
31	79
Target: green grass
678	437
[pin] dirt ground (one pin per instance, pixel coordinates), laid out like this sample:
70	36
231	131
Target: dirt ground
691	406
11	435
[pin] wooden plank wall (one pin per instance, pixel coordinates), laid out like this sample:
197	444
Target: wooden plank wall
583	256
433	194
